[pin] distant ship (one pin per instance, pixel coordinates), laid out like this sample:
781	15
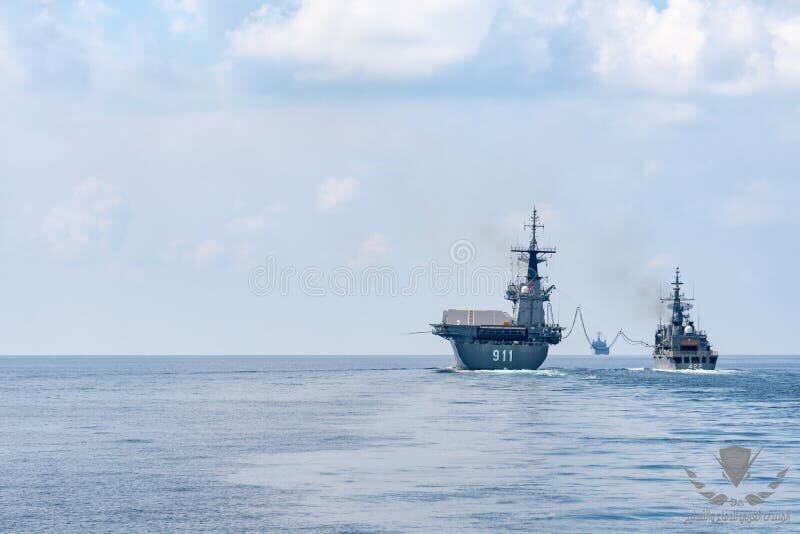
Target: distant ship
493	339
600	346
678	344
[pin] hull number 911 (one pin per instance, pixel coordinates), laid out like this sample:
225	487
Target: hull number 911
503	355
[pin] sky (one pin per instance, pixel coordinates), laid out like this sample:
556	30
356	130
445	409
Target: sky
322	177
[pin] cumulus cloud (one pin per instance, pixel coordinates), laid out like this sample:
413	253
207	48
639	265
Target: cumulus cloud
391	39
207	251
185	13
786	47
758	202
533	25
372	251
730	47
94	218
659	50
335	191
247	224
257	223
715	46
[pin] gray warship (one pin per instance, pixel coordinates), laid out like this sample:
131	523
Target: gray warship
493	339
600	346
678	344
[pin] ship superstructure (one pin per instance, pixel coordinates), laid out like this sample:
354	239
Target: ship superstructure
678	343
492	339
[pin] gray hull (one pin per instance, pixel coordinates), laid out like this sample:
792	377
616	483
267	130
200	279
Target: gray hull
668	362
479	356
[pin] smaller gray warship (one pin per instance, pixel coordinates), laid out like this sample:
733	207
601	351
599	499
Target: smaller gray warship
678	344
600	346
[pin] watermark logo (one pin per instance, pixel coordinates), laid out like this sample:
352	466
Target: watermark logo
462	251
736	463
462	275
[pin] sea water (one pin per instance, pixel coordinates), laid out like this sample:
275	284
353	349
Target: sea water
392	444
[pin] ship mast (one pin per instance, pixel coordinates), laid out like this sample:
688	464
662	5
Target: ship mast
533	251
679	308
527	295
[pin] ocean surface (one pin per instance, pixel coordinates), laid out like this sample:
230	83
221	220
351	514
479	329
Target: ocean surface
391	444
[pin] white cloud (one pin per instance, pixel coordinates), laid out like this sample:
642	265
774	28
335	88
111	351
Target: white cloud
658	50
715	46
738	54
207	251
93	219
786	47
391	39
257	223
372	251
335	191
247	224
186	13
758	202
531	24
709	46
94	9
730	47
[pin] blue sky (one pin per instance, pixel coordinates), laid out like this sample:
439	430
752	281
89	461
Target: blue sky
155	154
